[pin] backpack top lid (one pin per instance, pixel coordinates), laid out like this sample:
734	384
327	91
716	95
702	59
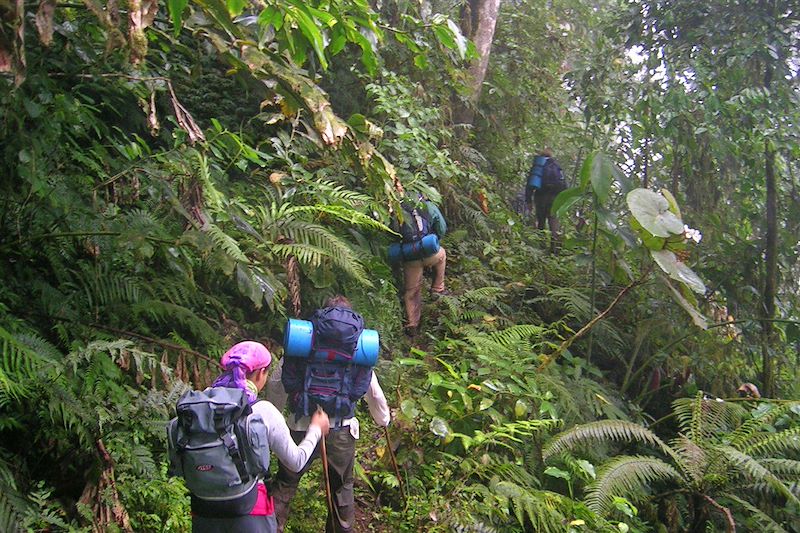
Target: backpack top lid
416	219
336	329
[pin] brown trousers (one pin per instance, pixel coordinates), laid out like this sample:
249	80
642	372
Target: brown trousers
412	276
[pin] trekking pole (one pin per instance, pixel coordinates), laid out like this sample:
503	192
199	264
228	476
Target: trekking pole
394	463
328	496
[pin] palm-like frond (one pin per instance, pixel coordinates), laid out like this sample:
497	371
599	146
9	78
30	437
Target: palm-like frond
702	420
694	459
762	417
755	471
602	431
312	257
773	443
787	469
341	213
626	476
761	521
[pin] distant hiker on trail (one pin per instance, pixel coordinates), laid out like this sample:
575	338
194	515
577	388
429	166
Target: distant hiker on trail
421	227
332	378
220	443
544	182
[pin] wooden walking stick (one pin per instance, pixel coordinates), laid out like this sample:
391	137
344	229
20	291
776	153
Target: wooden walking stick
328	495
394	463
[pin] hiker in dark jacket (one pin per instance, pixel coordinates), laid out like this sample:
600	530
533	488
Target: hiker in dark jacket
341	442
246	367
545	181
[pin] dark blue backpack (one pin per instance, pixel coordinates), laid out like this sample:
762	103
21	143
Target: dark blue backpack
328	378
552	178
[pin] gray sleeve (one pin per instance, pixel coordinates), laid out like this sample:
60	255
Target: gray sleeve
293	456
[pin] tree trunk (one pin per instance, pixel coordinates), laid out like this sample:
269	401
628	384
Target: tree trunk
484	17
770	258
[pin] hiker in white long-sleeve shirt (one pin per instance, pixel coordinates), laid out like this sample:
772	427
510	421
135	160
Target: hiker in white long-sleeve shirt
304	393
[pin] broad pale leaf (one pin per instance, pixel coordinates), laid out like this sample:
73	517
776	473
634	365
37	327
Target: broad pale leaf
652	211
439	427
697	317
678	270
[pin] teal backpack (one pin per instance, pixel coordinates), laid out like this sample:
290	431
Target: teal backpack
217	444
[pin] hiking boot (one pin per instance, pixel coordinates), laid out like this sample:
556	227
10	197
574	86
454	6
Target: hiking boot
436	295
411	331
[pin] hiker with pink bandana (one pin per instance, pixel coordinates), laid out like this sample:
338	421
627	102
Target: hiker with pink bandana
203	457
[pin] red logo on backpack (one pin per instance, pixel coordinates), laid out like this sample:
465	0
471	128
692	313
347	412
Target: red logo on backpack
204	468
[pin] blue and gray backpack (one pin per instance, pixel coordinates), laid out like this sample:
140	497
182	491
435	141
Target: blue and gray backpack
219	447
328	378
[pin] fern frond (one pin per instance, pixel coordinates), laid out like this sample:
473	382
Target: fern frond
343	214
336	192
539	508
226	243
602	431
755	471
763	417
313	256
694	459
702	420
787	469
479	295
170	314
763	522
514	334
626	476
19	367
773	443
13	505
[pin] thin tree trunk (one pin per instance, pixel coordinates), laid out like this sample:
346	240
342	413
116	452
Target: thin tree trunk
485	19
770	256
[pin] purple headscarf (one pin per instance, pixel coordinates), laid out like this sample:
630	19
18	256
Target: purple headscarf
240	360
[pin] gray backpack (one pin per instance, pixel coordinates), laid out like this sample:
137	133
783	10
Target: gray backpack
217	444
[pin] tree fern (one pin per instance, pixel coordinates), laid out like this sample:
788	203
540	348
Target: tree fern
626	476
603	430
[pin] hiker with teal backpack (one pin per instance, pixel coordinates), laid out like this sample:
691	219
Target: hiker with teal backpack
544	182
221	440
421	225
327	364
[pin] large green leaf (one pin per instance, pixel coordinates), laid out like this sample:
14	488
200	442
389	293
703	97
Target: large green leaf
652	211
566	199
678	270
176	9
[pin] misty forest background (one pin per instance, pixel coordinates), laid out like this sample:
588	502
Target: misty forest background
178	176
